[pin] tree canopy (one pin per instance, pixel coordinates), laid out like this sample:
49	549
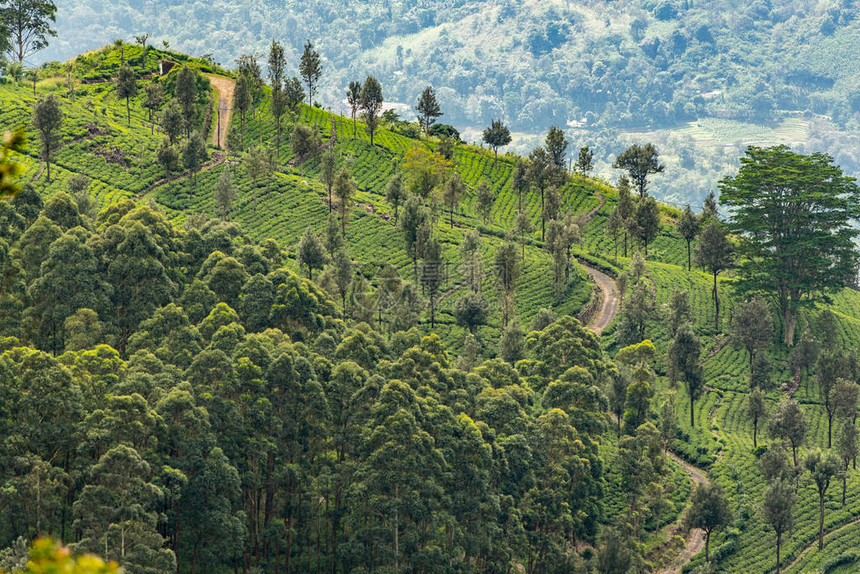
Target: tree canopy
793	214
640	161
29	25
497	135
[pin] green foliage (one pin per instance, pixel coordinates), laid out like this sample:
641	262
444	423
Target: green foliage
556	145
310	68
428	108
497	135
709	510
715	253
640	162
47	557
225	358
812	250
370	103
47	119
310	253
225	195
684	358
126	87
13	142
28	24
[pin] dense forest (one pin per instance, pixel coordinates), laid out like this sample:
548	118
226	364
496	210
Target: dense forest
242	333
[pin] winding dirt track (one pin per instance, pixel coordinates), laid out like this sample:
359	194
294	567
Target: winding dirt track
610	297
224	87
609	300
814	544
695	540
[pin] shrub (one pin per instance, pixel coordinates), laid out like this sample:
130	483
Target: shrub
841	560
444	130
760	450
724	550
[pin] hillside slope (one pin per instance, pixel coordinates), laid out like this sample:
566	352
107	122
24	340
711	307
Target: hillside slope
671	71
620	63
120	161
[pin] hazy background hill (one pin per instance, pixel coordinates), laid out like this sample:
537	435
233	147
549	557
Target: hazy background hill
700	78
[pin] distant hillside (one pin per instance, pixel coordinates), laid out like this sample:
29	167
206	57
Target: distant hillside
623	64
248	261
120	161
609	70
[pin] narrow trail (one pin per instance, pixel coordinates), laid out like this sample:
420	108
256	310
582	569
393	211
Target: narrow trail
224	87
695	539
608	301
39	174
590	214
217	159
814	544
610	297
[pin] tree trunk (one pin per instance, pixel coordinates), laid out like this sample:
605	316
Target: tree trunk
755	432
844	484
821	521
333	555
319	532
716	306
692	416
176	534
829	428
689	262
270	498
778	542
707	545
789	318
288	523
397	533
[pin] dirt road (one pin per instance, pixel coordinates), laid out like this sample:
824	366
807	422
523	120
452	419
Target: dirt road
609	302
694	540
224	87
